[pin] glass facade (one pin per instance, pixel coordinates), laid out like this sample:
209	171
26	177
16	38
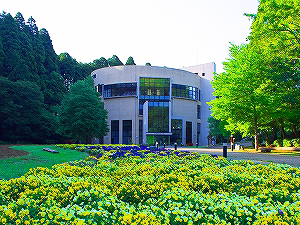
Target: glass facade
127	132
158	118
176	128
184	91
115	131
121	89
154	90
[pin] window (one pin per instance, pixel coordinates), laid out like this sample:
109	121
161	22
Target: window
115	131
99	88
158	117
184	91
127	132
140	131
153	90
94	76
176	128
189	132
198	132
203	74
121	89
198	112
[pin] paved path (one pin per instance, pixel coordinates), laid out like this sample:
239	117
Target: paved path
257	157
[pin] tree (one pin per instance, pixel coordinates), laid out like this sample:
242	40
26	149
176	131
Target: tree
245	92
275	34
147	64
275	29
217	129
130	61
114	61
22	113
99	63
82	114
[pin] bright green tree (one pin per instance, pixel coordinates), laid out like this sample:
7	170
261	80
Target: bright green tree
245	92
276	36
82	114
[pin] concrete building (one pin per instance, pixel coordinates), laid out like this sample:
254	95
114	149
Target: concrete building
146	104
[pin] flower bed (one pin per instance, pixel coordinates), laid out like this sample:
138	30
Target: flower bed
174	188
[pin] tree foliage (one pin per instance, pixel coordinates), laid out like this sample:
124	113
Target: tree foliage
259	89
82	114
114	61
130	61
100	63
217	129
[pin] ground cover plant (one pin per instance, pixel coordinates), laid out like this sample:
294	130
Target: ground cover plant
18	166
151	186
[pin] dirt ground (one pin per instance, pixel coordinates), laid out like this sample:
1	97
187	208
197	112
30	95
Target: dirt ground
7	152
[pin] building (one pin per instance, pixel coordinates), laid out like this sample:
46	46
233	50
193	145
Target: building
148	104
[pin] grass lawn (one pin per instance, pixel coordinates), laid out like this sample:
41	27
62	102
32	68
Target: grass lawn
16	167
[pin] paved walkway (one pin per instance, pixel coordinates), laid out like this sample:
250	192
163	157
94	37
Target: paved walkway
257	157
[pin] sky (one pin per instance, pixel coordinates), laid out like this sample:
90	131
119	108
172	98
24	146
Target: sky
171	33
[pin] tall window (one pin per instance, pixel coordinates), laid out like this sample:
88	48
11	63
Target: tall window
140	131
121	89
189	132
158	117
115	131
198	132
198	112
176	127
127	132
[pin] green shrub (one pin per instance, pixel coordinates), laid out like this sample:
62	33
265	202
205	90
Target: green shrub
287	143
296	142
278	143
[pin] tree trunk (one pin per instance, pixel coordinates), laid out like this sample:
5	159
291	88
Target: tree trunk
267	138
256	134
295	131
281	129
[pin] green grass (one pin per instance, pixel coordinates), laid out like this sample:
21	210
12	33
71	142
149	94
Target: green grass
16	167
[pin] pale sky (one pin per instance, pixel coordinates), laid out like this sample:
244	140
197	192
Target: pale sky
171	33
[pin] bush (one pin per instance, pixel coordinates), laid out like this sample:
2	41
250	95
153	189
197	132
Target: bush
296	142
287	143
278	143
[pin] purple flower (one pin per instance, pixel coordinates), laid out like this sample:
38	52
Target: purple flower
280	212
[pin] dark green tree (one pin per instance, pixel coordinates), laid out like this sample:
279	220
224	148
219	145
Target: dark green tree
147	64
82	114
99	63
130	61
22	113
114	61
